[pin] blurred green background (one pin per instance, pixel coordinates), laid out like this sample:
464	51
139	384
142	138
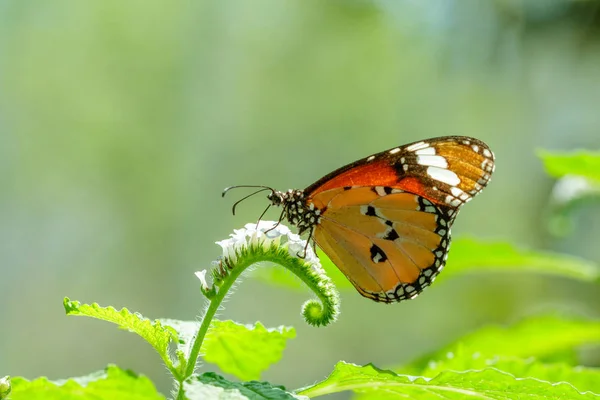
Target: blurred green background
121	122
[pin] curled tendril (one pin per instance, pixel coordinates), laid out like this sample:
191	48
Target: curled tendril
262	243
315	314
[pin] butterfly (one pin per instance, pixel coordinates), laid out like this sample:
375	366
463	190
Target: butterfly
385	220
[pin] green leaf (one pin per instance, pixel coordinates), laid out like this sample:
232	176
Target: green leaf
155	333
541	337
112	383
488	383
582	163
186	332
212	386
472	255
244	351
463	359
584	379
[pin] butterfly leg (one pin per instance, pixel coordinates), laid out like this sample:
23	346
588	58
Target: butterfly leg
278	222
303	254
262	215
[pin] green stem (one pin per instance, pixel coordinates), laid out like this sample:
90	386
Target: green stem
215	302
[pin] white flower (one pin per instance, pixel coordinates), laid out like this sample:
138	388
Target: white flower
202	276
264	234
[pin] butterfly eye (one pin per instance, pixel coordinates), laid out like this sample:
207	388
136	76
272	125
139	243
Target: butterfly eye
275	198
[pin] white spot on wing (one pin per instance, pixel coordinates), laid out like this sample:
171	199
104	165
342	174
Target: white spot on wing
417	146
452	201
380	191
443	175
434	161
385	233
487	165
394	151
455	203
456	191
371	158
427	151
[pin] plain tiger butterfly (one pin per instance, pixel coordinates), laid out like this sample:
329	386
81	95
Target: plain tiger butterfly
385	220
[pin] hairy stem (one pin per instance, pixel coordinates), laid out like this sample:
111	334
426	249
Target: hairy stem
215	303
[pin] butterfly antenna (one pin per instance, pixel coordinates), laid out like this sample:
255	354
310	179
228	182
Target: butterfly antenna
262	189
227	189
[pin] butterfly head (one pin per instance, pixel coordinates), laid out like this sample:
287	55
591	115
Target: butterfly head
295	206
276	198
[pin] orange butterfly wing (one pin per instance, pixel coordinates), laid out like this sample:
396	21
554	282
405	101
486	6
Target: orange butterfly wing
385	220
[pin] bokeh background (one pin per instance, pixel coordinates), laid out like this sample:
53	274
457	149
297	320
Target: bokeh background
121	122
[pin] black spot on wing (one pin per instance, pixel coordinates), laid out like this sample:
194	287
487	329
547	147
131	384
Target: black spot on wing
391	235
377	255
371	211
